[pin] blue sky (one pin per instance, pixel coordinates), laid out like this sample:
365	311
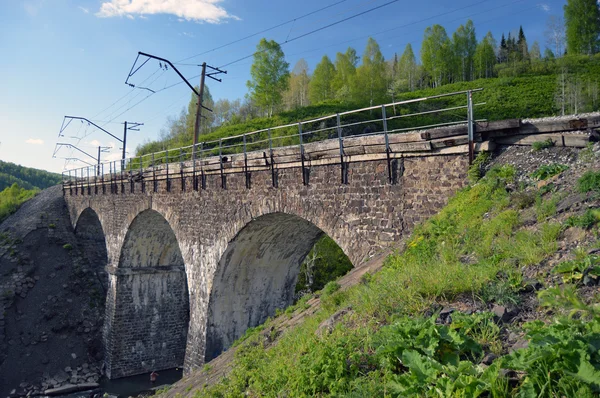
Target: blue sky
67	57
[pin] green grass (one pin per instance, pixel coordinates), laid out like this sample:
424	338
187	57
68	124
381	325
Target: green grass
589	182
385	347
12	198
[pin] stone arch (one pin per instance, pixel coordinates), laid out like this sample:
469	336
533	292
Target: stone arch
149	303
255	276
90	236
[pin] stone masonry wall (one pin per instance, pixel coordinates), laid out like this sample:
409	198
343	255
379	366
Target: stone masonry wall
364	216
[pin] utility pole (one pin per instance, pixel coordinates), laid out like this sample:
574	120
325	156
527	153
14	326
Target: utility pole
199	109
133	126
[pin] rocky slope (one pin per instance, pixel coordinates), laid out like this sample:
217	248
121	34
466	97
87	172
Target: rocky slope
51	302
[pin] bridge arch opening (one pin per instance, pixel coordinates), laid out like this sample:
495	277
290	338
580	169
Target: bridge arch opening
151	304
258	274
91	238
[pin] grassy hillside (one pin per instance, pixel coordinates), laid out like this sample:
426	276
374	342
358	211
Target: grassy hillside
26	177
514	94
480	252
13	197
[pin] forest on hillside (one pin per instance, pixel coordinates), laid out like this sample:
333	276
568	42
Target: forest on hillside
519	77
25	177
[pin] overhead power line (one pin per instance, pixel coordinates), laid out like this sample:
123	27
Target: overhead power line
318	30
260	32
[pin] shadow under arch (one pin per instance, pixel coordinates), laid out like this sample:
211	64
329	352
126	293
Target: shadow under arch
91	238
255	276
150	308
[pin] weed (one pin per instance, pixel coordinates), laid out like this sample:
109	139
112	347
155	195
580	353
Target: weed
523	200
206	368
476	169
52	226
589	182
68	246
539	145
481	328
500	292
587	154
551	187
545	208
586	221
546	171
330	288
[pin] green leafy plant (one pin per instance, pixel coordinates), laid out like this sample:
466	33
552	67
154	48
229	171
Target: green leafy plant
575	270
68	246
539	145
546	171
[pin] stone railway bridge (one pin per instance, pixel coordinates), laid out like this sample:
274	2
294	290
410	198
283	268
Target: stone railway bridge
189	270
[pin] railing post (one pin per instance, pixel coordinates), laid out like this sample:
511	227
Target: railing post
110	173
70	185
202	175
89	188
273	176
167	163
387	144
181	170
122	176
223	182
96	169
343	164
102	178
131	182
470	126
246	164
143	182
194	179
304	182
154	182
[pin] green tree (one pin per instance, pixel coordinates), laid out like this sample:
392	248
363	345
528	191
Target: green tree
582	21
320	87
522	48
485	57
371	75
270	75
408	70
535	52
436	55
464	44
297	92
345	73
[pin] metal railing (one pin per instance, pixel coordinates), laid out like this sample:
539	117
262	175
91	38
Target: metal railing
193	160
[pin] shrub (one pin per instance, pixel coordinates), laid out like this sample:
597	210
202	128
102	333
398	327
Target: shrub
539	145
68	246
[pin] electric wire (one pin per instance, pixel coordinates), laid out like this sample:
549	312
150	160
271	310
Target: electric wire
260	32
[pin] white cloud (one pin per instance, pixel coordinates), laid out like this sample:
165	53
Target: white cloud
129	16
143	17
85	10
34	141
95	143
544	7
188	34
190	10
